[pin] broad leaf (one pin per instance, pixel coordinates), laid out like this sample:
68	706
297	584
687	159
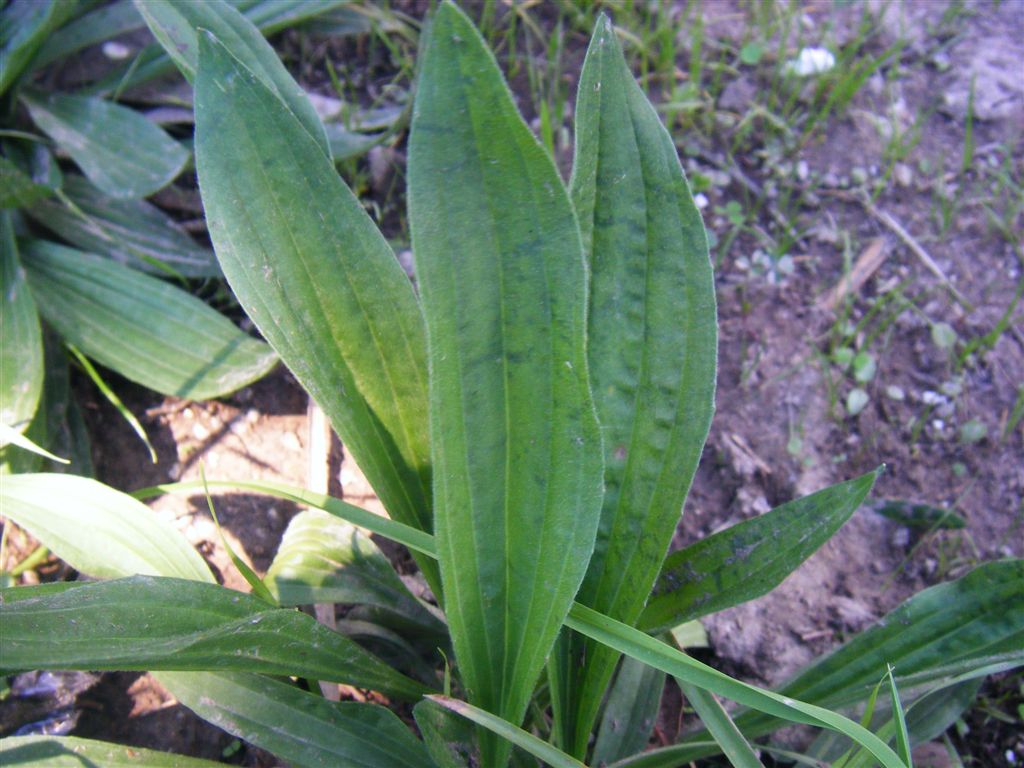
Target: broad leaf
98	530
323	559
21	341
189	626
131	232
121	152
73	752
749	559
630	712
515	443
299	727
317	278
149	331
652	351
18	188
175	24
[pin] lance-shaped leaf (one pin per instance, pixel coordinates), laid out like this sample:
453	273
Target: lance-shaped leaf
515	442
148	330
325	560
299	727
147	623
97	530
73	752
21	341
449	738
751	558
630	712
175	24
317	278
651	347
121	152
90	28
131	232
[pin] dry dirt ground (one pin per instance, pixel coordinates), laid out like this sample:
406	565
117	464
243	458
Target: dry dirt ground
781	429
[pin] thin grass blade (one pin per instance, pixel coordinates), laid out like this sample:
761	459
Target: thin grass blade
737	750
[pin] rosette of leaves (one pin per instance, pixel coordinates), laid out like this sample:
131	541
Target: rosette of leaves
531	419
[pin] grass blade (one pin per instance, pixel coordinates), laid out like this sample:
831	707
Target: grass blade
149	331
651	348
751	558
644	648
501	271
190	626
517	736
338	308
121	152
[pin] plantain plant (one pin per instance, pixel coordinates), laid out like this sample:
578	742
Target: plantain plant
531	417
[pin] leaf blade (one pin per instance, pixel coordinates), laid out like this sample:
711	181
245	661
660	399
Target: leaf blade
120	151
98	530
187	626
319	303
149	331
502	282
21	338
651	348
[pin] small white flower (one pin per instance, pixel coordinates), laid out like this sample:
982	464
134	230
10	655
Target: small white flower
811	61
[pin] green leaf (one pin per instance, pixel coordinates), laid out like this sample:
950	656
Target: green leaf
317	278
527	741
189	626
450	739
751	558
635	643
323	559
630	712
147	330
711	712
73	752
18	188
121	152
175	25
131	232
98	530
939	635
922	517
413	538
95	27
24	25
515	443
298	727
651	348
21	341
